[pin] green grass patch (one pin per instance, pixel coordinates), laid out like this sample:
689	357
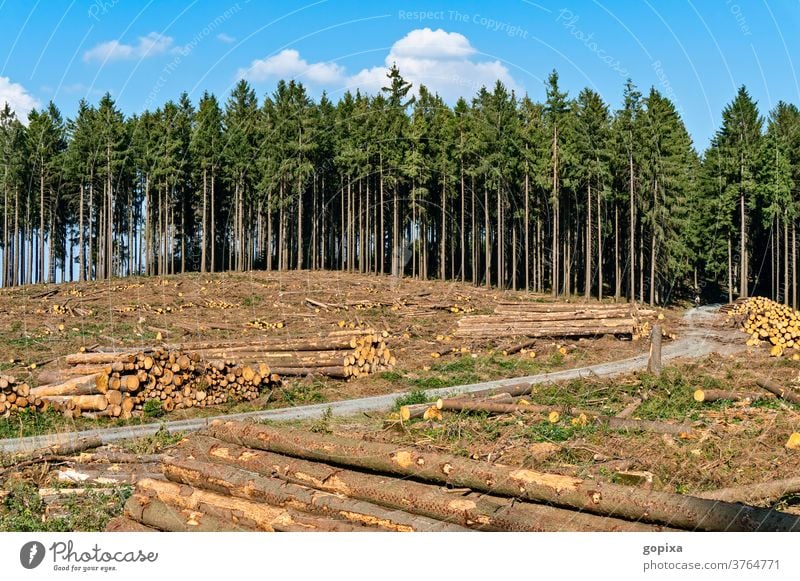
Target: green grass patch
154	444
412	398
252	300
559	432
23	509
302	393
30	423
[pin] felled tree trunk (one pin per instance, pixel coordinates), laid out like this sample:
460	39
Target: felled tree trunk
600	498
758	492
243	484
154	513
477	511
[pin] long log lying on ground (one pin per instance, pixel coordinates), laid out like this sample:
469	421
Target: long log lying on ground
252	515
124	524
561	307
251	486
712	395
477	511
504	326
49	453
412	411
615	422
781	392
154	513
755	493
99	358
667	508
82	385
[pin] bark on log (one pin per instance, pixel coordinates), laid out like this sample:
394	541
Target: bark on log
251	486
758	492
109	474
83	385
477	511
124	524
654	426
241	513
781	392
711	395
96	403
600	498
65	449
100	358
153	513
630	409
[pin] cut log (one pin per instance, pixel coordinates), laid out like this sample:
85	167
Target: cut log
758	492
630	409
96	403
781	392
243	484
153	513
100	358
124	524
109	474
114	397
711	395
241	513
65	449
477	511
83	385
600	498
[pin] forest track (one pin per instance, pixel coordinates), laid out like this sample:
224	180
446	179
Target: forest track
698	338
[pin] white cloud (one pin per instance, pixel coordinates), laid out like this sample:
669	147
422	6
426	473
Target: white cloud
20	101
287	64
147	46
226	38
445	62
424	43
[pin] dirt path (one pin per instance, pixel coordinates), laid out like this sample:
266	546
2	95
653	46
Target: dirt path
698	338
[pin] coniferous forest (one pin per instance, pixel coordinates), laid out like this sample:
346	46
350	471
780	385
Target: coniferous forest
569	196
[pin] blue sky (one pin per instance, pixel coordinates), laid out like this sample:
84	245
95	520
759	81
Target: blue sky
696	52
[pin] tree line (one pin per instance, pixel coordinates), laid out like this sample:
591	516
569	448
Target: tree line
566	196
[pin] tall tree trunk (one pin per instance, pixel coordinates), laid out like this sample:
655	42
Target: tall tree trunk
556	217
527	230
588	254
487	239
632	237
794	264
203	240
617	269
785	260
473	235
730	270
599	249
299	225
109	218
743	275
40	274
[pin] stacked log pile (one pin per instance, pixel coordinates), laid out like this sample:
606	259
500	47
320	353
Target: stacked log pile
15	396
530	319
118	384
340	354
238	476
767	322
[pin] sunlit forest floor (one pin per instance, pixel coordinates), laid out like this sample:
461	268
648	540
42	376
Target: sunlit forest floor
730	444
